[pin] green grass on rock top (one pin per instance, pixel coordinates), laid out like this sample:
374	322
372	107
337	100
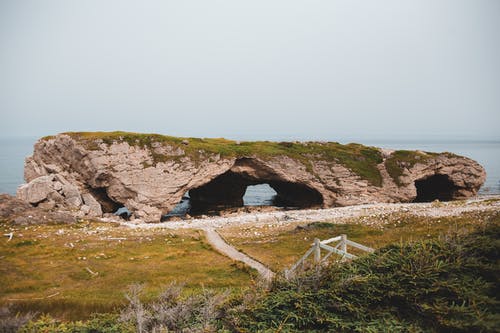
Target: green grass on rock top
362	160
406	159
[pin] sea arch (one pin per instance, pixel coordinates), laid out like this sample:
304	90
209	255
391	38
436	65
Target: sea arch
228	188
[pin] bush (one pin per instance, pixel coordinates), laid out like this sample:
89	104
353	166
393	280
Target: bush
171	312
450	285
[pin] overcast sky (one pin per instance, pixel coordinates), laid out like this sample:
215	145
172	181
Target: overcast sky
287	69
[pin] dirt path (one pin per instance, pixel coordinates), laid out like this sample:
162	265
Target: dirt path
220	245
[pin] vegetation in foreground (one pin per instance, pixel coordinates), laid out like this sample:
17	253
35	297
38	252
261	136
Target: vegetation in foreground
440	285
71	271
447	285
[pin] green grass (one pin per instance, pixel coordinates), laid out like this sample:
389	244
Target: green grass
281	249
39	262
362	160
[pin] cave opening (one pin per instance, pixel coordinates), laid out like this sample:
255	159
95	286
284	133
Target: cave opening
108	205
181	209
234	190
436	187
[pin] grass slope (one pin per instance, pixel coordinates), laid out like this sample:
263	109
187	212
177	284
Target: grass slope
444	284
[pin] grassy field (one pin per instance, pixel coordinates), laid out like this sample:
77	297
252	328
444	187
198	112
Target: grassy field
279	249
71	271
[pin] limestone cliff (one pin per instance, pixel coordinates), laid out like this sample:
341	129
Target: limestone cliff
92	173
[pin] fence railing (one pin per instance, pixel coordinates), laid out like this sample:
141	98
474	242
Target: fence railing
318	258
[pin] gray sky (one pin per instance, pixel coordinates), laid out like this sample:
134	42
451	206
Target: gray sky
287	69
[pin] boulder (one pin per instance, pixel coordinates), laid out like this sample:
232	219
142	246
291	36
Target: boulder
47	205
20	212
71	195
54	192
94	207
37	190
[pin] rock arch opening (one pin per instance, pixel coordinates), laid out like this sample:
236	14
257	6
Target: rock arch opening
438	187
108	205
228	190
264	185
296	195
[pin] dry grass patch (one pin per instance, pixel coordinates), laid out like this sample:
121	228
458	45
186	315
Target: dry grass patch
71	271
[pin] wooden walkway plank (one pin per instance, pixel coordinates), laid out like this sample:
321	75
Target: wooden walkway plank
224	248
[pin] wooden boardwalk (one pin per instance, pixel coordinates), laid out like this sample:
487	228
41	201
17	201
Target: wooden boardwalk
220	245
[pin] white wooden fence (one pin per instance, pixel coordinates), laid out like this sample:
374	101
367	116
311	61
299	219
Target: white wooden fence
340	248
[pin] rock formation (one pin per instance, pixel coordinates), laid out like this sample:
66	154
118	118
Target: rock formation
22	213
95	173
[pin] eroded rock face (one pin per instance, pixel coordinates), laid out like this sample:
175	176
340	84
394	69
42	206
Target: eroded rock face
95	174
53	191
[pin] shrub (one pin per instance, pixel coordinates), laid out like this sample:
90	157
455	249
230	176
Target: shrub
171	312
450	285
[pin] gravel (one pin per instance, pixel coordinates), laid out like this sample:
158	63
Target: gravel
278	218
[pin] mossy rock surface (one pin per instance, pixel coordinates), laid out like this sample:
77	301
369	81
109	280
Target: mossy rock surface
362	160
406	159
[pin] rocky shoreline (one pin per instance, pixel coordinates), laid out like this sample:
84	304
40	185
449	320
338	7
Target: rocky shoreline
19	212
371	213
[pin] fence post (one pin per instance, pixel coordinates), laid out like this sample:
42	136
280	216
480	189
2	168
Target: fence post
317	251
343	243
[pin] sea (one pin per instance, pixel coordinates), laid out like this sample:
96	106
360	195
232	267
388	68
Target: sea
13	151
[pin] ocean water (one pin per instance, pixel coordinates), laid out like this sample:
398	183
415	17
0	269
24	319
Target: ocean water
14	150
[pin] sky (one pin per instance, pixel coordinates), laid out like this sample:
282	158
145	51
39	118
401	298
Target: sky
252	70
